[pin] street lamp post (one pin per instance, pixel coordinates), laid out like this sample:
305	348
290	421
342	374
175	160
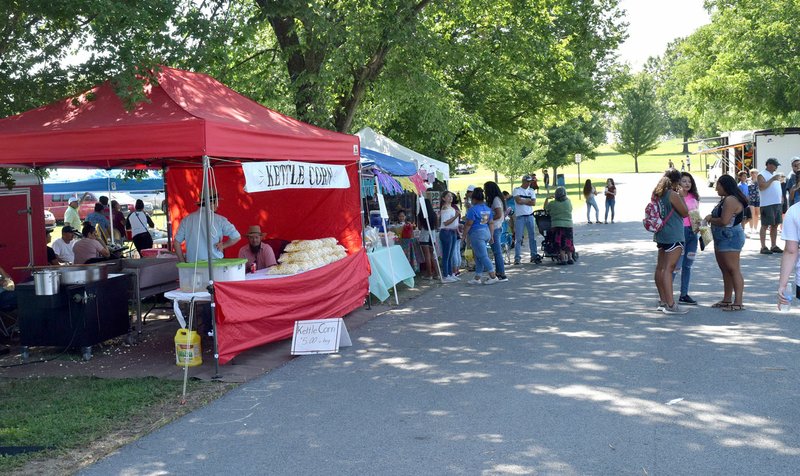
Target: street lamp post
578	159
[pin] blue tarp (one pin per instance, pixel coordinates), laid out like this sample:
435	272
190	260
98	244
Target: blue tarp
102	184
392	165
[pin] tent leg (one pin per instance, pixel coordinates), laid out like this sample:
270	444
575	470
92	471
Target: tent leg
209	219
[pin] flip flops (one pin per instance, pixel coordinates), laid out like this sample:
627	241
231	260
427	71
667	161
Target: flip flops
721	304
733	307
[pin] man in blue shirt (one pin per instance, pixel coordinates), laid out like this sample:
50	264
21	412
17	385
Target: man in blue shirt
192	231
792	184
99	220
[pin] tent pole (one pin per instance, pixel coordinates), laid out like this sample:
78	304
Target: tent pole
433	239
361	204
166	212
386	239
209	220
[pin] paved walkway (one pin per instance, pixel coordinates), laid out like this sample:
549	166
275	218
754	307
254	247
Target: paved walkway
563	370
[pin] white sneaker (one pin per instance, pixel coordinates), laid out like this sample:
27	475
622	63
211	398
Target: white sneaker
474	281
457	278
449	279
674	309
494	280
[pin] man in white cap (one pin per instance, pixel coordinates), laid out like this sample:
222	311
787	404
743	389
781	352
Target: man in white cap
525	199
194	226
257	252
71	216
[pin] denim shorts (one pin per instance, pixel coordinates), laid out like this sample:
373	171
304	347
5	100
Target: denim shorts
728	238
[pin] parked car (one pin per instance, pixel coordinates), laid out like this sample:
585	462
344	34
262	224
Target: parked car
57	204
465	169
152	200
49	220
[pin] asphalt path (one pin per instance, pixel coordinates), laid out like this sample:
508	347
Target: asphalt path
563	370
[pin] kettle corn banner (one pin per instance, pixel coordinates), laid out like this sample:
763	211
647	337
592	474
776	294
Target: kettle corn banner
280	175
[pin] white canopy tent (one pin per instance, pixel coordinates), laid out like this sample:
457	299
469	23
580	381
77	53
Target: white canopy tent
380	143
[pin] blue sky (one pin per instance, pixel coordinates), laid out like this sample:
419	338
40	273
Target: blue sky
654	23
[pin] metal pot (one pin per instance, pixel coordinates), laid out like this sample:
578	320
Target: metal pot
83	274
46	283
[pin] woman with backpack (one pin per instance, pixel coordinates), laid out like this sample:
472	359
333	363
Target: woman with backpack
725	221
669	238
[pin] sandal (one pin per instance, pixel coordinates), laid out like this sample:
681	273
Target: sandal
722	304
733	307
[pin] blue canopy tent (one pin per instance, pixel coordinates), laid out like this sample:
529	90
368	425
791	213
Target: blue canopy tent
114	184
392	165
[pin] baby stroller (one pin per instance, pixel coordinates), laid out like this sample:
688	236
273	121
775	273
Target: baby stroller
549	250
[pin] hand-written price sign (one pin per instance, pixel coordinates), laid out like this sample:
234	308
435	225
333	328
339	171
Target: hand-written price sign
322	336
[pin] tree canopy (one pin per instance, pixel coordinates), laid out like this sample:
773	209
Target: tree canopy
640	123
449	78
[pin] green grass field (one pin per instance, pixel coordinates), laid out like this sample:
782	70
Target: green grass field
607	164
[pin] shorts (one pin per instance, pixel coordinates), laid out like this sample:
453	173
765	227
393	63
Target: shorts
771	215
669	247
728	238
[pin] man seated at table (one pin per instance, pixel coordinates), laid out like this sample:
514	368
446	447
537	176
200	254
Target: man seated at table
63	246
90	249
51	255
256	251
8	297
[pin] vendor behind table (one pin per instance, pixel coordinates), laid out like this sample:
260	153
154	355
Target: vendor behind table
258	254
192	231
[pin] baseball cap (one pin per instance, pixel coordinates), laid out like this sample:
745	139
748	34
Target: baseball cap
67	229
526	178
773	161
795	159
470	188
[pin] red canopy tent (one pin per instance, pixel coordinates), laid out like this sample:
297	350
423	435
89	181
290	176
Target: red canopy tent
189	117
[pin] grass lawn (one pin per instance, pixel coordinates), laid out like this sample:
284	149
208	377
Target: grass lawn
607	164
63	414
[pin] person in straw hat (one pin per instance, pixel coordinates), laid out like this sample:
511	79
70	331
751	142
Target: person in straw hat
256	251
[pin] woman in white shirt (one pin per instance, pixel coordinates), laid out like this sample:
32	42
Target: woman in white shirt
448	235
495	200
138	223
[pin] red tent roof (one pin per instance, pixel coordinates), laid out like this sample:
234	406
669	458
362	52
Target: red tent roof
188	115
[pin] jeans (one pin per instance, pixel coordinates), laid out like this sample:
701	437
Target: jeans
497	249
448	239
592	203
521	224
686	260
457	253
478	239
610	202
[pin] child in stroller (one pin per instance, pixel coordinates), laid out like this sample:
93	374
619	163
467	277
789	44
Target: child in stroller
549	250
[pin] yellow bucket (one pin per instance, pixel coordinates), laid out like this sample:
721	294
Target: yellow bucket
187	348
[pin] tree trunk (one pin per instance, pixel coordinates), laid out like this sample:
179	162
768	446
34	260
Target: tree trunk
348	104
495	177
685	140
636	163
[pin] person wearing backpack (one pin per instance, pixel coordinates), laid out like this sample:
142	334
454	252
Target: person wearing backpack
669	238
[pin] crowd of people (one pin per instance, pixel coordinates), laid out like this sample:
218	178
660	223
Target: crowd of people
90	240
757	196
483	229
